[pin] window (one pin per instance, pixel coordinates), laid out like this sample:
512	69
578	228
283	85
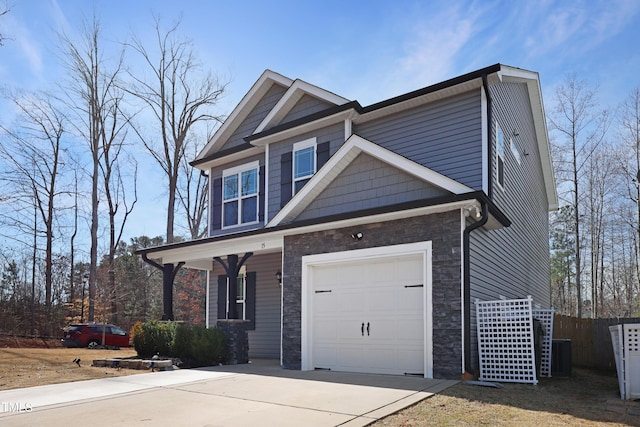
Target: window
304	163
240	195
500	156
241	292
514	150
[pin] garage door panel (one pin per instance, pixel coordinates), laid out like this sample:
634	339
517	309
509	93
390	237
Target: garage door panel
369	291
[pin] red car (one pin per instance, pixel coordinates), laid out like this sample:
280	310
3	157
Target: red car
93	335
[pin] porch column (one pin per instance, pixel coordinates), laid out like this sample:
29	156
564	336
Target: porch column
232	268
169	272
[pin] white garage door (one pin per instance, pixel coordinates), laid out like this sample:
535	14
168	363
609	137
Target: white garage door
368	315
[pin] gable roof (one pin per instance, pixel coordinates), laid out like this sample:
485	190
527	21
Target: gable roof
242	110
291	97
531	79
352	147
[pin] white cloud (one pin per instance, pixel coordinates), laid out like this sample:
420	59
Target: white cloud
580	25
28	47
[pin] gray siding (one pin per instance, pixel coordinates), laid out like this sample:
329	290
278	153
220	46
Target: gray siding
264	341
368	183
333	134
514	262
305	106
445	136
256	116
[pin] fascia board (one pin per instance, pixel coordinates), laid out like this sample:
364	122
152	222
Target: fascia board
343	157
305	128
242	110
291	97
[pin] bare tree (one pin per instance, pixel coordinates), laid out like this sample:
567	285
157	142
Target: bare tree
94	99
34	153
629	160
4	9
581	129
192	195
178	101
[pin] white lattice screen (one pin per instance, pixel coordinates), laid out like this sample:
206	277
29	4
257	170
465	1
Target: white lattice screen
626	348
618	352
546	317
505	341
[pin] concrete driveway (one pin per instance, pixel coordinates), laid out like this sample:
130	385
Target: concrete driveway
260	393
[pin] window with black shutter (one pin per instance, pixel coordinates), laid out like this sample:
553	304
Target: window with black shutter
245	297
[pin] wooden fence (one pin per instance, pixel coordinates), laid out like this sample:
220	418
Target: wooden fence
590	339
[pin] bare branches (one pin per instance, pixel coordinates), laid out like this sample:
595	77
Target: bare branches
178	99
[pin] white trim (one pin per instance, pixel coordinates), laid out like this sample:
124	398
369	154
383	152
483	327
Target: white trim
238	170
348	128
484	114
244	107
303	145
207	301
241	168
266	186
290	99
343	157
274	241
424	248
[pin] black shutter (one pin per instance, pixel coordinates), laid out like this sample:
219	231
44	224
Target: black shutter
261	200
322	155
222	297
216	205
250	299
286	177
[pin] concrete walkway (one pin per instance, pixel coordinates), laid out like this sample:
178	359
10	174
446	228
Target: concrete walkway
260	393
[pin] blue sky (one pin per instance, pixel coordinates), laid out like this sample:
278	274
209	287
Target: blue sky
364	50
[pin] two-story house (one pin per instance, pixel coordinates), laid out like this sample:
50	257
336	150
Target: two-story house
356	238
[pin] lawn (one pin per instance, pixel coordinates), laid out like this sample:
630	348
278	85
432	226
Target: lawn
28	367
587	398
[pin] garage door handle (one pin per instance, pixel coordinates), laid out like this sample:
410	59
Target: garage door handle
362	329
367	328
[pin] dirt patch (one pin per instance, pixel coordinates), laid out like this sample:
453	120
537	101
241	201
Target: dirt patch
28	367
587	398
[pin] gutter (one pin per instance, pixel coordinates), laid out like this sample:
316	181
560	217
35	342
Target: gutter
466	237
467	286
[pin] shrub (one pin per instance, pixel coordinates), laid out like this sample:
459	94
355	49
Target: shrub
154	337
194	345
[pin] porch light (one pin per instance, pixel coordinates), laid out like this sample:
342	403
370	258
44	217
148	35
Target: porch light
279	277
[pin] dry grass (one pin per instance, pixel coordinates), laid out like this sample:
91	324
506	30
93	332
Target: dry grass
28	367
587	398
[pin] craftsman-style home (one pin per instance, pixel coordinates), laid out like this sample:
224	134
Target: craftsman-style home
356	238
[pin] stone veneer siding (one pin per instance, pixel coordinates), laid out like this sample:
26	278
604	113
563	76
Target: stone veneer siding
443	229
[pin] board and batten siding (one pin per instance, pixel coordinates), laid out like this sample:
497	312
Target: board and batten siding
368	183
445	136
264	341
255	117
513	262
333	134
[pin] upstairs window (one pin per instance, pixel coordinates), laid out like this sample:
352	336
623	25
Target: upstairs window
240	195
500	156
304	163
